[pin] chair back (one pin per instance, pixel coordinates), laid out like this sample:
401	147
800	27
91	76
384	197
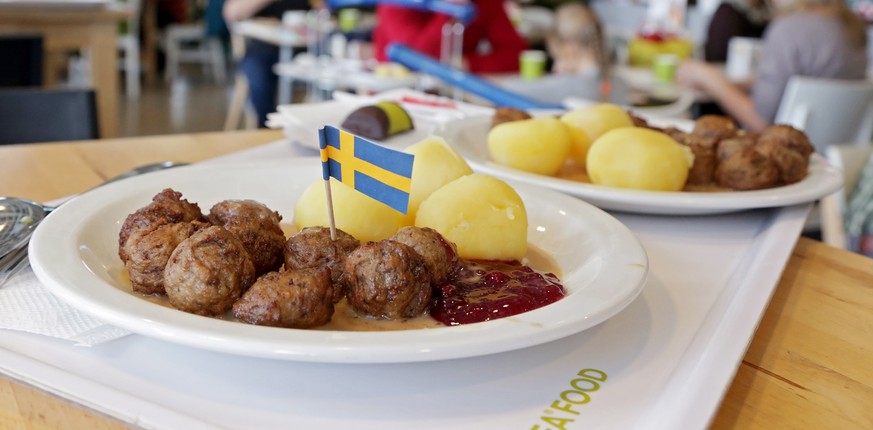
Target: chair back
22	60
829	111
40	115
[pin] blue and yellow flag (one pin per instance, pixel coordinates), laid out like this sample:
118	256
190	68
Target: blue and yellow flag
381	173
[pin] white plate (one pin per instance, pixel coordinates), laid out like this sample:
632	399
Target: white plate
74	254
469	137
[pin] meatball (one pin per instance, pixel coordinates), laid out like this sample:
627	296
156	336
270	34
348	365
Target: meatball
387	279
508	114
747	169
167	207
440	255
789	148
257	227
313	247
717	127
207	272
149	251
728	147
704	150
290	299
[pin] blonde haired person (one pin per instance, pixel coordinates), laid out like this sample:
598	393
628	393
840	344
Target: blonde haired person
576	43
817	38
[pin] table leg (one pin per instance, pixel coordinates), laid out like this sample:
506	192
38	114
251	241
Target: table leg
104	76
285	55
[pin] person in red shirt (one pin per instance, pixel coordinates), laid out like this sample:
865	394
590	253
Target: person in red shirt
491	44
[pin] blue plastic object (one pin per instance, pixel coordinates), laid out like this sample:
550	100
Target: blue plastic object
417	61
462	12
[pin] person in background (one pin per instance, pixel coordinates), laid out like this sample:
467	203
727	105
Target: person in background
260	57
491	43
734	18
817	38
577	44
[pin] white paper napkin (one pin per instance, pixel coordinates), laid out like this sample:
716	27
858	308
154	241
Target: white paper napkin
26	305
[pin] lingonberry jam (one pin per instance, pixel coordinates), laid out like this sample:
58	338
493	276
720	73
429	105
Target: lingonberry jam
485	290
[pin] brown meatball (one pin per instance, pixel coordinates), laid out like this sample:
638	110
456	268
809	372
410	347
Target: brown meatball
257	227
789	148
736	144
313	247
508	114
717	127
440	255
290	299
747	169
167	207
207	272
638	120
704	149
149	251
387	279
784	136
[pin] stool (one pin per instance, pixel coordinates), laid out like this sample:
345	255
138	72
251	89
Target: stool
188	43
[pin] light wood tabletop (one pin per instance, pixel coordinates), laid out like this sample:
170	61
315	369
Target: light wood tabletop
808	365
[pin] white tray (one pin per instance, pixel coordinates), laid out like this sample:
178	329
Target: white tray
669	356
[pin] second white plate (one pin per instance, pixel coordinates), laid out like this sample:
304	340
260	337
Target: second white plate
469	138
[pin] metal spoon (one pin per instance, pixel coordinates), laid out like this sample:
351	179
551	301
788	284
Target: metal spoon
19	217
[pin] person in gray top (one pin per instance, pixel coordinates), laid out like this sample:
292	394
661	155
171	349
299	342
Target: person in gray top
817	38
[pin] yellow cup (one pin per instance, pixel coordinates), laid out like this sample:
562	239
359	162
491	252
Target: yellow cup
532	64
348	19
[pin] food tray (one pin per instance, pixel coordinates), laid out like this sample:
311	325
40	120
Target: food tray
667	358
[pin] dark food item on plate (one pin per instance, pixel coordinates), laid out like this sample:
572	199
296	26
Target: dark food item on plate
257	227
149	235
208	272
440	255
507	114
312	247
291	299
378	121
387	279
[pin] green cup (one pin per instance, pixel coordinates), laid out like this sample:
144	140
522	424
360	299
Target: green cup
664	67
348	19
532	64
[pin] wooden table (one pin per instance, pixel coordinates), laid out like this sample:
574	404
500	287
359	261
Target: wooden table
808	365
66	28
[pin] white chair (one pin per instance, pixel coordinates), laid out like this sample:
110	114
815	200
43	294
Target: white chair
128	45
828	111
851	160
238	110
188	43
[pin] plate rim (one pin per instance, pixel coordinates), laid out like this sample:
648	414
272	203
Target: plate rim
54	265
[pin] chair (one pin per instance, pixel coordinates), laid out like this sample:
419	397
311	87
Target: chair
128	44
22	60
188	43
851	160
237	111
39	115
828	111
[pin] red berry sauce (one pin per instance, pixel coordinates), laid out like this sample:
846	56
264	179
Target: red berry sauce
485	290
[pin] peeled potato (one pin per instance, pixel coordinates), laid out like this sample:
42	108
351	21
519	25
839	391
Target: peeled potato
436	164
639	158
358	215
537	145
589	123
481	214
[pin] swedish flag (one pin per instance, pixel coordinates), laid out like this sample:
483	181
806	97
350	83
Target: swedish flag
381	173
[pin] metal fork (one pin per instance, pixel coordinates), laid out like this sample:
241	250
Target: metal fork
12	263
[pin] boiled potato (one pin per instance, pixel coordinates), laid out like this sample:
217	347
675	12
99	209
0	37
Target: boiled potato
358	215
589	123
436	164
481	214
639	158
537	145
